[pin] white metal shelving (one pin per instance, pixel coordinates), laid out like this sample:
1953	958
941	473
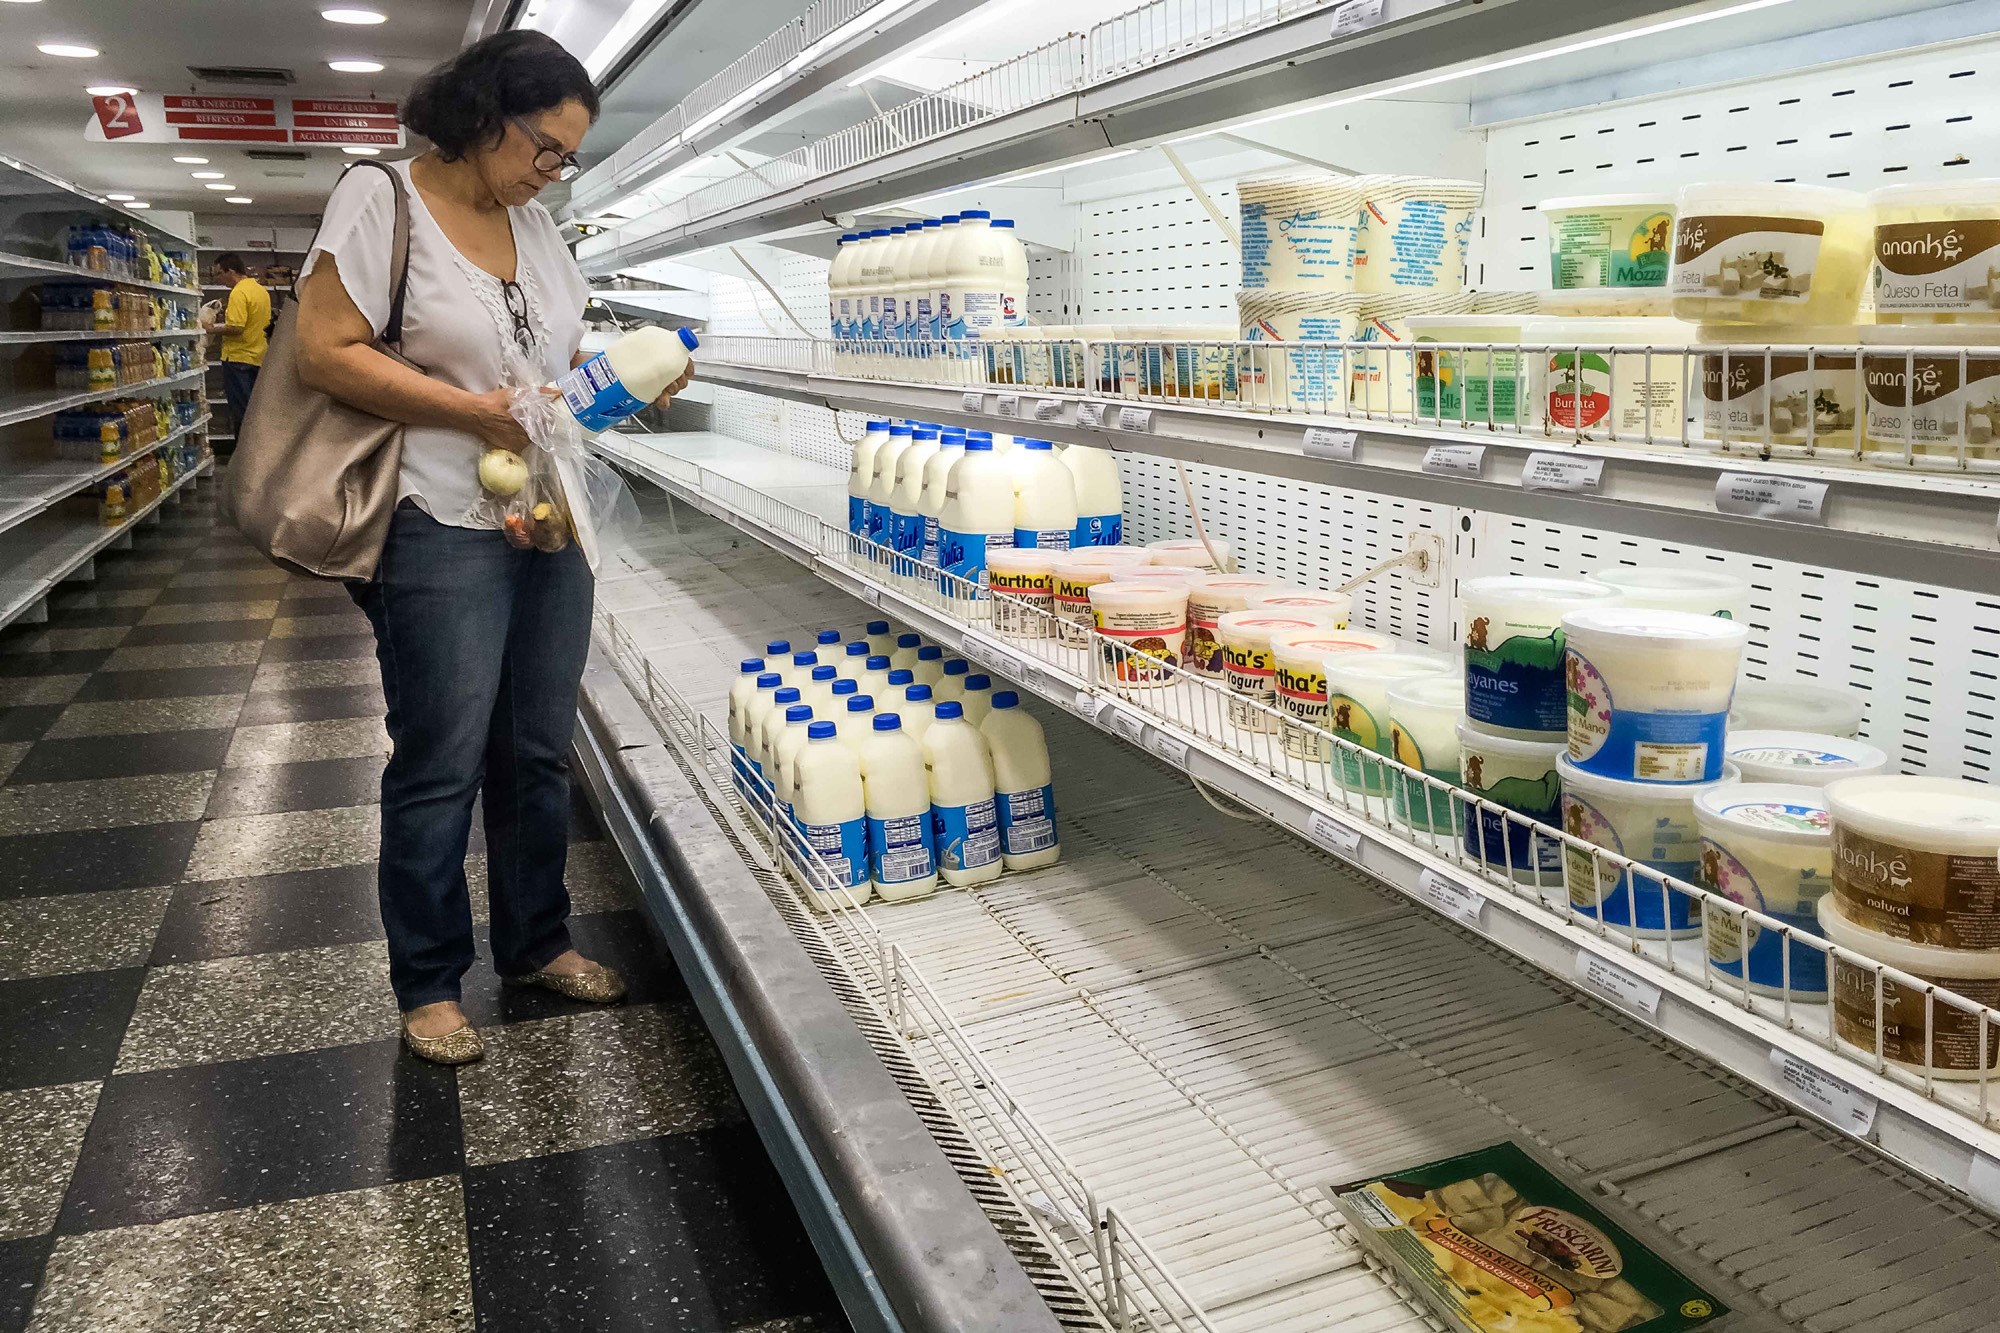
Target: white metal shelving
26	492
13	265
30	572
28	337
33	406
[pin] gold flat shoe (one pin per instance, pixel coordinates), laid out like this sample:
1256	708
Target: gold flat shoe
600	985
461	1046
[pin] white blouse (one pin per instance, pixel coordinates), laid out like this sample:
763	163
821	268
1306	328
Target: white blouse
456	324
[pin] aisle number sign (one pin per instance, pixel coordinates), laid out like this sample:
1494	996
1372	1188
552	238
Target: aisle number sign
303	121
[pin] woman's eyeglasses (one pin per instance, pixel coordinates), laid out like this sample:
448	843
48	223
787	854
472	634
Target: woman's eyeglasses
551	160
517	310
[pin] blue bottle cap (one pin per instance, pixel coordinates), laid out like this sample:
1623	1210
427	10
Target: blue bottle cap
950	219
688	340
770	680
958	666
1003	222
876	663
846	686
950	709
978	682
930	652
975	213
799	713
1006	699
901	676
1037	444
805	659
824	673
828	637
878	627
859	648
861	703
820	731
974	444
788	695
900	428
917	694
888	722
876	423
932	222
908	640
924	433
778	648
750	666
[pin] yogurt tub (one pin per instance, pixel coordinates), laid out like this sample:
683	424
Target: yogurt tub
1769	254
1332	609
1802	758
1767	389
1521	776
1769	847
1796	704
1609	240
1209	599
1514	651
1184	575
1291	378
1298	230
1247	667
1146	624
1413	233
1357	698
1478	385
1937	252
1952	412
1649	692
1698	592
1100	367
1910	1013
1423	735
1608	378
1072	576
1915	858
1022	580
1298	663
1649	822
1205	367
1383	376
1191	553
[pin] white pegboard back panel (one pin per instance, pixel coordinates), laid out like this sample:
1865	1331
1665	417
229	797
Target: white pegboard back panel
1156	258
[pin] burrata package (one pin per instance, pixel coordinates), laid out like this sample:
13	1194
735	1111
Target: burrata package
1495	1242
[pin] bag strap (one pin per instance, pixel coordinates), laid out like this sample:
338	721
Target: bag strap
399	250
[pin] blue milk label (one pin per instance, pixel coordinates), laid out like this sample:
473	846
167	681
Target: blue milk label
1098	530
1635	746
597	398
1027	820
878	523
857	516
964	554
968	836
907	534
901	848
844	849
1043	539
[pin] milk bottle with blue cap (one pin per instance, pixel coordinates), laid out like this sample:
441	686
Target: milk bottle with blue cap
978	513
872	277
799	669
904	655
1023	791
950	683
965	819
923	312
862	472
875	507
881	638
740	691
853	720
626	376
783	700
832	813
901	846
1100	496
791	737
874	678
936	479
840	317
1045	504
938	268
759	707
819	690
985	279
906	522
977	697
853	658
837	696
929	665
917	710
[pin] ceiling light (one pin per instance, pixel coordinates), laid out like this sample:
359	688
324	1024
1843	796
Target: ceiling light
110	90
68	50
192	161
136	203
21	2
206	175
121	198
360	150
213	186
355	66
359	17
239	199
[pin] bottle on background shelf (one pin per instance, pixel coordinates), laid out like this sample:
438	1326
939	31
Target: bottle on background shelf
977	698
1100	496
832	812
1045	503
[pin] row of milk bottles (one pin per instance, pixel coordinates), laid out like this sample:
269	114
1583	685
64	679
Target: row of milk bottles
899	293
896	765
939	497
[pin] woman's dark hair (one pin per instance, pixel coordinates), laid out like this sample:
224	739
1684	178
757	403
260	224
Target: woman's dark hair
464	103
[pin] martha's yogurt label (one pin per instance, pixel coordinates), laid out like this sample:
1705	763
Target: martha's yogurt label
1734	257
1937	268
1635	746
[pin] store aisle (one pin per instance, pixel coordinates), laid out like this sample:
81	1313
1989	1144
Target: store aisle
208	1121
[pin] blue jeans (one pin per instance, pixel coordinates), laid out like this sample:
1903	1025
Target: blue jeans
238	381
482	648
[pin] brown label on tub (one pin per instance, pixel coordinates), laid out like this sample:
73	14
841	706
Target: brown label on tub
1748	372
1905	1033
1696	236
1911	894
1929	377
1914	248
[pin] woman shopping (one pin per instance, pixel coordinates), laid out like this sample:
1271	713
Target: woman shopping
481	644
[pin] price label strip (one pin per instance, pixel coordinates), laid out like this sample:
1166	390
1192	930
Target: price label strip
1008	405
1127	725
1455	460
1170	748
1326	442
1460	902
1562	472
972	402
1048	409
1617	984
1135	418
1786	499
992	656
1090	414
1984	1182
1831	1099
1357	15
1333	836
1087	704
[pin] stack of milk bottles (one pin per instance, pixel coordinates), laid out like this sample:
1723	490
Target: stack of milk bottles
899	299
897	791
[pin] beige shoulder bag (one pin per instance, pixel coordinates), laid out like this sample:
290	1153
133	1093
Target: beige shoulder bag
313	482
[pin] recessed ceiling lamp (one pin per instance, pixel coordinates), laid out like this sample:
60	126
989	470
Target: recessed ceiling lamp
192	161
121	198
355	66
68	50
136	203
360	150
213	186
206	175
110	90
239	199
358	17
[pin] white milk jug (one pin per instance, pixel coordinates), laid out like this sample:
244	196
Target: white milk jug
938	267
759	707
1026	797
792	733
977	698
740	691
819	690
922	313
950	683
874	507
937	478
901	847
837	697
930	664
904	656
914	706
874	677
881	639
626	376
906	521
978	513
798	669
861	472
1100	496
832	812
853	720
783	700
1045	505
965	821
981	291
840	289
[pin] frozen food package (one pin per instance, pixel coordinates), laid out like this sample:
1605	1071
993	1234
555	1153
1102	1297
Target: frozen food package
1496	1242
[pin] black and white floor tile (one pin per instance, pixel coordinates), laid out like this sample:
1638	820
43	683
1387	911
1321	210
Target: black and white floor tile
206	1118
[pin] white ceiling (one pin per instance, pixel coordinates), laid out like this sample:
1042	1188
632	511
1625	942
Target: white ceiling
149	44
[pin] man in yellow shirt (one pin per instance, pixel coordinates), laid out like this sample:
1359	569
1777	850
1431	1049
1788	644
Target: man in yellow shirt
246	316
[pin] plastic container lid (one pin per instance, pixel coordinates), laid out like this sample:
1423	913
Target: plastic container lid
859	648
688	340
1307	602
1445	691
1812	201
1186	552
1006	699
1182	575
1566	203
1152	595
1930	335
1610	331
1255	628
1780	811
751	666
1022	559
1388	666
1666	628
1035	444
900	428
1248	584
909	640
1525	588
888	722
770	680
1788	335
1621	789
1919	960
976	445
861	703
1795	705
799	713
1935	814
950	709
876	663
820	731
930	652
875	423
778	648
1802	758
824	673
1694	586
876	627
1983	192
805	659
1471	733
1324	640
828	637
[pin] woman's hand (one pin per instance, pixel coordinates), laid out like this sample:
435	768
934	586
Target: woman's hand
488	418
665	400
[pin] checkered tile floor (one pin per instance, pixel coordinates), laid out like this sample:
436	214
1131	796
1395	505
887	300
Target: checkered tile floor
206	1120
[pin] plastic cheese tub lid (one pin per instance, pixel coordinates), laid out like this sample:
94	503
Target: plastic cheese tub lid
1189	550
1779	811
1603	302
1792	335
1522	588
1983	193
1022	559
1804	758
1077	571
1571	202
1919	960
1468	328
1795	705
1255	628
1385	667
1933	814
1610	331
1930	335
1111	555
1471	734
1180	575
1321	641
1809	201
1151	597
1444	691
1635	581
1663	629
1620	789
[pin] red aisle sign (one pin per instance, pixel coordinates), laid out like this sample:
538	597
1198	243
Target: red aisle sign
182	118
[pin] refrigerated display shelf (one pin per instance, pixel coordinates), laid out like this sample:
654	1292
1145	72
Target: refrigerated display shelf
1947	1132
23	264
29	571
31	406
1206	1022
31	491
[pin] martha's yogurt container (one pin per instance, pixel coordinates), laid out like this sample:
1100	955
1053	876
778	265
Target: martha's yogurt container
1649	822
1299	665
1520	776
1769	847
1802	758
1143	627
1648	692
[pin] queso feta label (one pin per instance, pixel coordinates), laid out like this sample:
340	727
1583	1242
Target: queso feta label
1732	257
1937	268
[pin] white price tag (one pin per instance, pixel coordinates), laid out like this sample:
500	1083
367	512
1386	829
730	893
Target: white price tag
1129	726
1087	704
1827	1097
1356	15
1460	902
1984	1184
1170	748
991	655
1562	472
1135	418
1090	414
871	594
1008	405
1326	442
1615	983
1334	836
1784	498
1455	460
972	402
1048	409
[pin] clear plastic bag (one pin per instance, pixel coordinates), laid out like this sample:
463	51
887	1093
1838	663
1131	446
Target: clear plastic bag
569	493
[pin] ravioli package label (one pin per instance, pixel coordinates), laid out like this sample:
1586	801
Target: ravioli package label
1495	1242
